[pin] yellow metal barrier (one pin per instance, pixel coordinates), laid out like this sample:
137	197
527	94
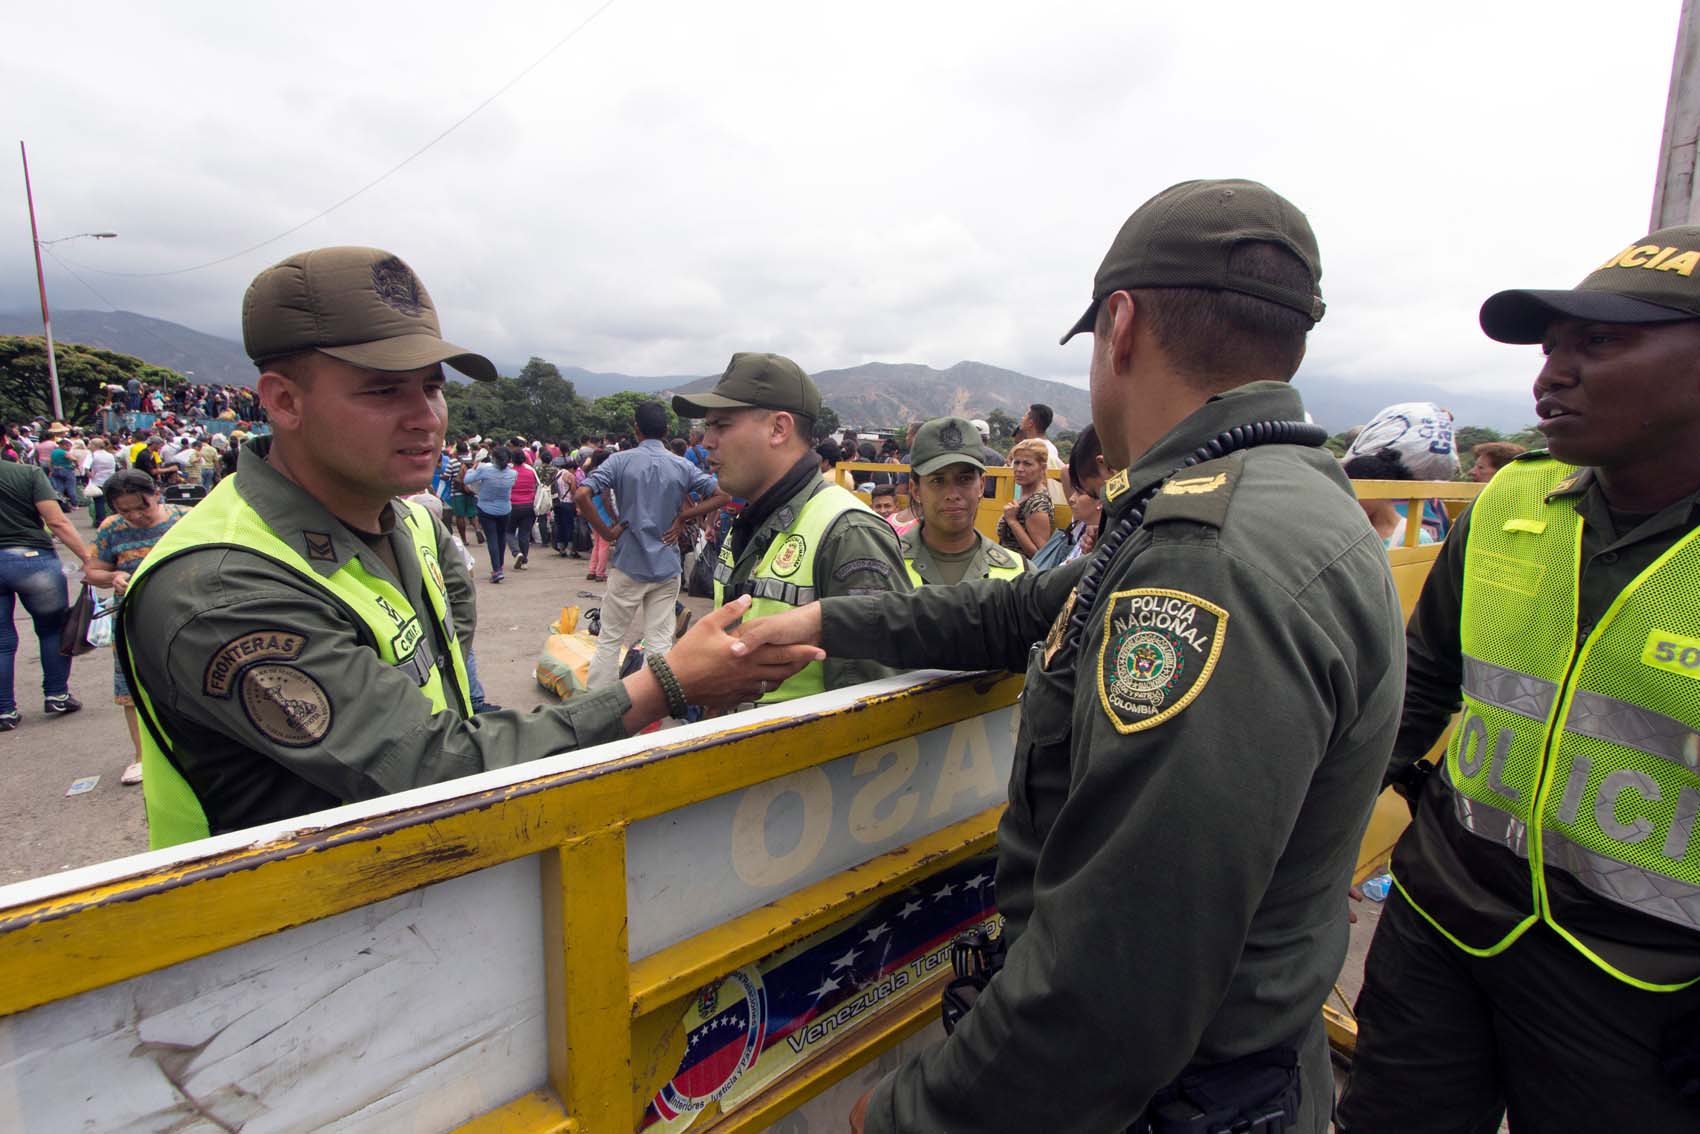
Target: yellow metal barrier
611	1022
612	1026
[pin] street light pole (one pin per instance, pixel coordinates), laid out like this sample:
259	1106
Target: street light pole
36	244
41	289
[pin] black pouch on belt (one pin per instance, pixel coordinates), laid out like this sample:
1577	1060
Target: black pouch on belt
1255	1094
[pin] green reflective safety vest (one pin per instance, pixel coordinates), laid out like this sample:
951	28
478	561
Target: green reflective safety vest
1013	571
1580	759
785	577
385	617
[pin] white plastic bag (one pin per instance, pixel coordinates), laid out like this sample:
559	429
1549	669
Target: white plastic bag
1419	432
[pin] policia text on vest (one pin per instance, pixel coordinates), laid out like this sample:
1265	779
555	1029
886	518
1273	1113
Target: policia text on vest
1577	747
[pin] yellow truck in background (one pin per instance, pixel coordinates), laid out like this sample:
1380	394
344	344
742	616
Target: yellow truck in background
735	925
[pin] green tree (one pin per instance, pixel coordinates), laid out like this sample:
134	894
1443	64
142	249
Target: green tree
84	374
1002	425
827	424
1467	437
613	413
538	404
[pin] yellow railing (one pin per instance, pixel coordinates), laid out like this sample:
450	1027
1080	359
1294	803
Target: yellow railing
612	1023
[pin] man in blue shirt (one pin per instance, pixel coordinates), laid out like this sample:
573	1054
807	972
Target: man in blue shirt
650	486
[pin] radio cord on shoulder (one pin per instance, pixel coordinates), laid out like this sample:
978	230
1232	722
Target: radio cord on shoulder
1240	437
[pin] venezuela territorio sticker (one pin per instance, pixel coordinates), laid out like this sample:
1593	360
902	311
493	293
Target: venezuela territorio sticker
1159	649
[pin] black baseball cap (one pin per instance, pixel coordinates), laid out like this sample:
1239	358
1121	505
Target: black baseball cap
1654	280
756	381
362	305
1184	235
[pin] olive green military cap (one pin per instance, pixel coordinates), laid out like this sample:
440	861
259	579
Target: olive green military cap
756	381
945	441
1183	237
362	305
1654	280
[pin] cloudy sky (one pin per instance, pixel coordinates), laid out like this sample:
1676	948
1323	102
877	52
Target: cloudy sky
915	182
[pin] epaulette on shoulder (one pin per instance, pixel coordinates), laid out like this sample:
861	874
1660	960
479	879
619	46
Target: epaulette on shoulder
998	557
1534	455
1200	494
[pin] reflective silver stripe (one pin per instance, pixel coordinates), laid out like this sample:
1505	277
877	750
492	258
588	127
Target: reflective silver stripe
722	571
780	591
1508	689
1641	890
1487	821
1620	722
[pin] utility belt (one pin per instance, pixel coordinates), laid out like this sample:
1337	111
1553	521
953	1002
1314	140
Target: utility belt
1255	1094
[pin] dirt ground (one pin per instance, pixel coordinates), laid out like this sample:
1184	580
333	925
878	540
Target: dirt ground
45	831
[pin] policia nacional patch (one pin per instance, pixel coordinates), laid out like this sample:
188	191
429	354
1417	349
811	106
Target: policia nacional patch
1159	649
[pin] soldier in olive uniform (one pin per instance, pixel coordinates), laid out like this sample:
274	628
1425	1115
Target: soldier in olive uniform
299	639
799	538
946	475
1210	700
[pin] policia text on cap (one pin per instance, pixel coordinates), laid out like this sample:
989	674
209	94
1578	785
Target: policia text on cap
1540	952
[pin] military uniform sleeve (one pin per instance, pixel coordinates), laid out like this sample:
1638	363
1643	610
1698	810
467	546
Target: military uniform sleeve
1146	889
305	691
457	580
976	624
1434	653
858	556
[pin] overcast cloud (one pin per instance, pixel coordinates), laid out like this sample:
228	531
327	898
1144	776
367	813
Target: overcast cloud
848	183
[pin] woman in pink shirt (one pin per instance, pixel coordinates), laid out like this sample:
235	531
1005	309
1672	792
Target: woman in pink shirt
524	496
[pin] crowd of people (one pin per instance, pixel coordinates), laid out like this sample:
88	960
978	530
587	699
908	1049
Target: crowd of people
1219	677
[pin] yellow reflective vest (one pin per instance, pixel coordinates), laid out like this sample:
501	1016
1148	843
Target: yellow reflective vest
785	577
1580	753
225	519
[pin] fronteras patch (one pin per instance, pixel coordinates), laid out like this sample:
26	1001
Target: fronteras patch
254	646
856	566
286	705
1159	649
789	556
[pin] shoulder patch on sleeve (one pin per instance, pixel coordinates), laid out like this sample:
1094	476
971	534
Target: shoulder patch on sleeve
1159	650
856	566
255	646
1200	494
286	704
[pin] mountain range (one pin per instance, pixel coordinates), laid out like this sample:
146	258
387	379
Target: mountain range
875	394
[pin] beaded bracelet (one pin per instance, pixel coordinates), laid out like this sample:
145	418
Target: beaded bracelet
677	706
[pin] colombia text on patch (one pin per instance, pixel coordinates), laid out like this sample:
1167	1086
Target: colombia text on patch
1159	649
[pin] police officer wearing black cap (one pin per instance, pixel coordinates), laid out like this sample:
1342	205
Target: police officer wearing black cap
1541	950
1209	704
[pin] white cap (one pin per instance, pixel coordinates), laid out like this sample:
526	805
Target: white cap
985	430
